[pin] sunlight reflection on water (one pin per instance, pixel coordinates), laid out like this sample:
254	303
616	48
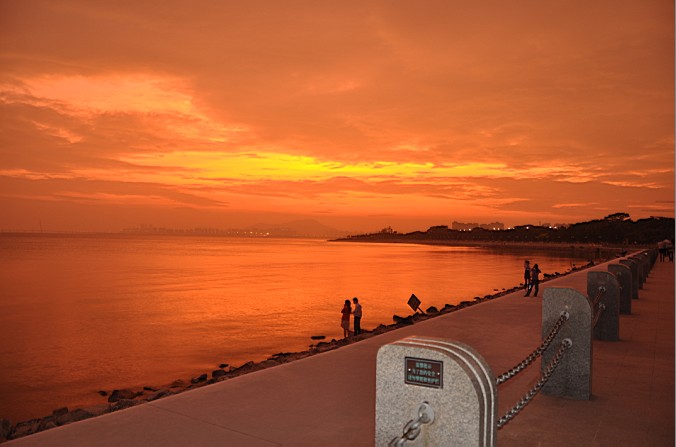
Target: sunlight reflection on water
84	313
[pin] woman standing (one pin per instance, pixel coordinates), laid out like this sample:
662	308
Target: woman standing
526	274
345	319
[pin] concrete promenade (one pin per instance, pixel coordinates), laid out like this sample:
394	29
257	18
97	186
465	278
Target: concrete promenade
329	399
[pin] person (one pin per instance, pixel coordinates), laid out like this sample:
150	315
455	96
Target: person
345	320
534	280
526	274
661	248
357	316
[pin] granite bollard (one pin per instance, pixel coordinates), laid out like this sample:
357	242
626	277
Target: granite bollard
623	275
640	270
572	378
634	276
449	377
604	290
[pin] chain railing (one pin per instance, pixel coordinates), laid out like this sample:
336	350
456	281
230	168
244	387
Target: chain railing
597	314
551	367
413	427
599	294
538	352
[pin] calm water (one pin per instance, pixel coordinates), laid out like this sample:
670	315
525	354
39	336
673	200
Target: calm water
80	314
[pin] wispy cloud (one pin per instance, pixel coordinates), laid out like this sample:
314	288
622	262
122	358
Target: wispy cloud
447	111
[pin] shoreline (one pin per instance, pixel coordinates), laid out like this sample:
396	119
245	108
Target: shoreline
119	399
495	244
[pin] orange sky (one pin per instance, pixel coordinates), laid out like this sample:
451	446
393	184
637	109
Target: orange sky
358	114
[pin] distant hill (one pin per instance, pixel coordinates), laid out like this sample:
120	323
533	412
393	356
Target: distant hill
299	228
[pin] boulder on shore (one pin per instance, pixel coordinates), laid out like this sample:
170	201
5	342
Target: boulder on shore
5	428
118	395
200	378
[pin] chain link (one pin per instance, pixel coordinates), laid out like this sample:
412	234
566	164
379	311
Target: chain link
597	314
565	344
538	352
412	427
599	294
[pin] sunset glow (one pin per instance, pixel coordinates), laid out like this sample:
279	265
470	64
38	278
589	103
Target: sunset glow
359	115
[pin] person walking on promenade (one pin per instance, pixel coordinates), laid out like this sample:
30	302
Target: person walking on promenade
662	249
345	319
534	280
357	316
526	274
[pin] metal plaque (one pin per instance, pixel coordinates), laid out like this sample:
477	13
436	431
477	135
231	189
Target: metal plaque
424	372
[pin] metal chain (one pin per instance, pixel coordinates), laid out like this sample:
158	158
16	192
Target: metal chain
597	315
412	427
599	294
565	344
538	352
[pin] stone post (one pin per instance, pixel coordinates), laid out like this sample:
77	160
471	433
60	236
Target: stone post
641	269
452	378
634	276
573	377
605	286
623	275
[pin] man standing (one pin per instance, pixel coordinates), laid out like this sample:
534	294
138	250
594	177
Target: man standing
357	316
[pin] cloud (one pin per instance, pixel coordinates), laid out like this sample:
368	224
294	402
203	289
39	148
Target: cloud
440	108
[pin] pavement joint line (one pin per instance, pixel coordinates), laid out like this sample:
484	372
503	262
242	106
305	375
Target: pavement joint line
202	421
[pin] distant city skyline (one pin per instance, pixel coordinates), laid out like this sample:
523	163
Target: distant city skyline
360	115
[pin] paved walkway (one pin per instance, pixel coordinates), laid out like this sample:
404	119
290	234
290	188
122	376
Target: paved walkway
329	399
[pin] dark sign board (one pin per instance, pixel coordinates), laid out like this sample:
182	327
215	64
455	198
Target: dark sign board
424	372
414	302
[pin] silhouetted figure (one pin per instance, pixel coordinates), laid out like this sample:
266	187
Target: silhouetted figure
526	274
534	280
345	319
662	249
357	316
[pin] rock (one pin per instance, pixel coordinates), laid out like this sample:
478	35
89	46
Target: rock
432	310
267	364
380	329
47	423
97	410
60	412
122	404
223	365
245	367
159	394
218	373
76	415
117	395
402	320
103	393
198	379
5	428
318	337
25	428
149	388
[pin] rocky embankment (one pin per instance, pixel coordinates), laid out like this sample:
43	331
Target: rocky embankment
119	399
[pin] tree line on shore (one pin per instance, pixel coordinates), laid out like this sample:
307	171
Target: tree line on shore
615	228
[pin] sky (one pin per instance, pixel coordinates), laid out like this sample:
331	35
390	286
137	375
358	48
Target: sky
358	114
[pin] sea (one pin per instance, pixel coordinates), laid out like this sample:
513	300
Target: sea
83	313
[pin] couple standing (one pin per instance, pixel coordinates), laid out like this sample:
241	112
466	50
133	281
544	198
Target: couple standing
345	319
531	277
